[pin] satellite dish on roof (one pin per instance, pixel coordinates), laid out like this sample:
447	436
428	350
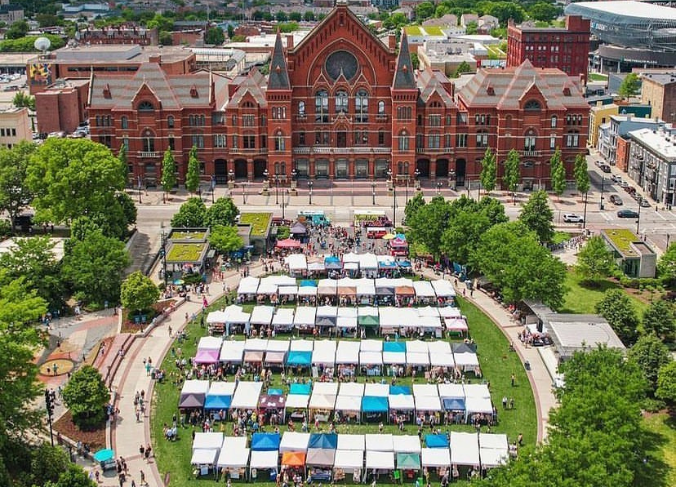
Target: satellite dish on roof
42	44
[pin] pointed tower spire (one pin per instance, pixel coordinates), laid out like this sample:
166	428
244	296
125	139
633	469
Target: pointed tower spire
403	77
278	79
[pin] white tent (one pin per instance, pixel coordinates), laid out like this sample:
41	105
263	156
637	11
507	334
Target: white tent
347	317
435	457
264	459
351	442
456	324
248	285
477	390
207	441
368	261
347	352
438	346
416	346
349	459
428	403
366	287
217	317
379	442
327	312
255	345
246	395
428	322
307	291
233	458
370	358
371	346
267	287
236	315
297	401
325	388
296	262
351	257
293	441
427	310
443	289
262	315
221	389
316	266
302	345
401	402
210	343
347	282
324	353
450	312
204	457
482	405
492	458
394	358
283	317
278	346
327	287
377	390
351	389
423	289
322	401
442	359
495	441
451	391
381	460
464	449
406	444
393	318
418	358
466	359
349	404
305	316
234	442
367	310
288	290
232	351
280	280
420	390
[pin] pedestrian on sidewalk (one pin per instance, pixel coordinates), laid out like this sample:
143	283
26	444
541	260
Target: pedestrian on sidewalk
513	380
170	330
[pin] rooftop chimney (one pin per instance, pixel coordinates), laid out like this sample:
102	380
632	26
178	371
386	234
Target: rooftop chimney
392	41
289	41
155	58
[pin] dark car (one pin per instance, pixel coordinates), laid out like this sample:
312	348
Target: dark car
627	214
616	200
605	168
644	203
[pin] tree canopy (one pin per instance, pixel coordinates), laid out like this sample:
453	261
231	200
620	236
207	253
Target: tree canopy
428	224
538	216
558	173
192	177
168	180
595	260
489	171
620	313
86	395
222	212
512	174
630	86
225	239
138	292
666	382
582	182
15	195
191	214
666	266
650	354
659	319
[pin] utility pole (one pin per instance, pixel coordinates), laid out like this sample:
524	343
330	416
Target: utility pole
49	405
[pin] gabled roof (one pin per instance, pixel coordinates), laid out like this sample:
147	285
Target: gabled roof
507	88
254	84
278	79
173	92
404	78
429	83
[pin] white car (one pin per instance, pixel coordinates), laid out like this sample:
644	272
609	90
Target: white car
572	218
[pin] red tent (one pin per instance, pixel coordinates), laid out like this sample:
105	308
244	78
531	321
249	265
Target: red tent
288	243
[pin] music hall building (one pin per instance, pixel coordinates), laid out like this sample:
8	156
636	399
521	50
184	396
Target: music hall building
340	105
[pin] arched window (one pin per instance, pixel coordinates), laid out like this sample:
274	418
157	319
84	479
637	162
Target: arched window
203	120
381	137
532	106
403	140
341	101
279	141
148	141
381	107
170	121
191	120
573	138
529	141
124	122
362	106
322	106
145	106
301	108
554	121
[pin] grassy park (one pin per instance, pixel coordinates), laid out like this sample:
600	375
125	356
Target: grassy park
259	222
497	364
582	298
185	252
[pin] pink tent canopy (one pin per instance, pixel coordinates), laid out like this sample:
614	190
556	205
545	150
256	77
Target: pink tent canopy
288	243
206	356
398	242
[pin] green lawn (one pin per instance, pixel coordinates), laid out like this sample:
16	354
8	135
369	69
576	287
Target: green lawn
662	451
259	222
582	299
433	30
180	235
598	77
497	364
413	30
185	252
560	237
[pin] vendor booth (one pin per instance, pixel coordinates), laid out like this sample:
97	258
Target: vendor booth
208	350
296	407
347	291
327	317
261	316
424	292
232	352
347	322
246	396
247	289
323	400
293	441
379	462
297	264
464	451
234	457
493	450
324	358
327	291
219	398
283	320
368	265
444	291
347	358
205	449
368	317
263	460
193	394
272	408
304	320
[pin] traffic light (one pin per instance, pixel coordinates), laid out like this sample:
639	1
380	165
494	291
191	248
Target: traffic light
49	403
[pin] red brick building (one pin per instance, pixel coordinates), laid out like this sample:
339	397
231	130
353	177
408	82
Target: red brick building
622	153
340	105
564	48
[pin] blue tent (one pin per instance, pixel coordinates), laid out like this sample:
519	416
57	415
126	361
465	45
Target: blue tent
217	402
372	404
387	264
400	390
454	404
275	392
299	358
308	283
436	441
265	442
332	262
398	347
325	441
302	389
404	264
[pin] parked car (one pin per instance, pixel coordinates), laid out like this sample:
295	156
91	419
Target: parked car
627	214
644	203
572	218
624	184
616	178
605	168
616	200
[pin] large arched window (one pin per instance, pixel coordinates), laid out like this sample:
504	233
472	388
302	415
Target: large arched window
403	140
322	106
381	107
573	138
362	106
301	108
554	121
170	121
279	141
124	122
529	140
532	106
341	101
145	106
148	138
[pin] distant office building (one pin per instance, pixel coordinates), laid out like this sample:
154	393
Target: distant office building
659	91
564	48
618	128
62	106
122	34
10	13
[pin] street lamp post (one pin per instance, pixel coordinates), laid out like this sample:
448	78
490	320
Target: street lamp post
244	193
310	185
584	216
283	202
439	188
139	189
638	220
213	188
416	179
373	192
163	253
390	174
231	180
603	185
276	189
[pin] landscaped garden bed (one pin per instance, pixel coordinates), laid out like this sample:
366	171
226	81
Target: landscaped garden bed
260	222
185	252
95	438
129	324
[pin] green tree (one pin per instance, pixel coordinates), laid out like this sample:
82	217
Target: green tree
192	178
595	260
48	20
15	195
168	180
659	319
222	212
558	173
48	463
489	171
86	395
281	16
630	86
122	155
424	10
428	224
582	182
231	31
471	28
666	382
165	38
666	266
75	476
413	205
505	11
415	61
650	354
74	177
214	36
462	68
94	268
17	30
309	16
295	16
23	100
33	259
512	171
545	12
620	313
138	292
225	239
128	207
462	235
538	216
191	214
